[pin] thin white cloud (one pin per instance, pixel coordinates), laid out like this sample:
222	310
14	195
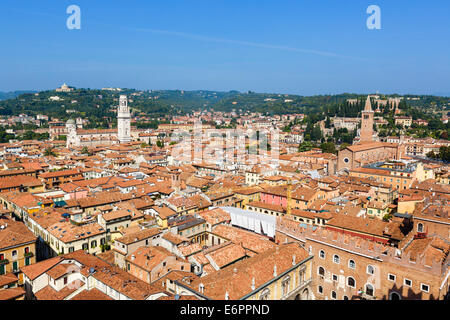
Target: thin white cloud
243	43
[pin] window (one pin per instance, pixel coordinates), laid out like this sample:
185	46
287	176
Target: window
27	249
336	259
14	253
391	277
335	278
65	280
93	244
369	290
333	295
420	227
320	289
285	285
2	257
351	264
321	271
345	298
351	282
85	246
265	294
394	296
424	287
407	282
370	269
322	254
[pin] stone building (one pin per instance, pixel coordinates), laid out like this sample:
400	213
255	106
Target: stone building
77	136
348	268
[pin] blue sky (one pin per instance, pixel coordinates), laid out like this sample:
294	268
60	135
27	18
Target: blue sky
302	47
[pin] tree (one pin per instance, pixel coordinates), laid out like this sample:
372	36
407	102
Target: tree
305	146
160	144
49	152
85	150
328	123
328	147
444	153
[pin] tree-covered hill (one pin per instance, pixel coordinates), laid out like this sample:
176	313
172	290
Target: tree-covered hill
99	105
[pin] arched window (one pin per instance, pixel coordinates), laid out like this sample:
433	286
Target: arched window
333	295
351	264
322	254
370	269
265	294
420	227
14	253
394	296
321	271
345	298
369	290
351	282
320	289
336	259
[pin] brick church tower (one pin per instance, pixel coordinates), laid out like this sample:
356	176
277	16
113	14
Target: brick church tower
366	134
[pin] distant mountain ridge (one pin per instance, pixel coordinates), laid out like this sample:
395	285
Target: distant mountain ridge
13	94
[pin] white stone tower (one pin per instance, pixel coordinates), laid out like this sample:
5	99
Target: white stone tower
124	120
71	133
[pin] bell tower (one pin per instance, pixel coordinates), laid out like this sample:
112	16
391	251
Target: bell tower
366	134
123	120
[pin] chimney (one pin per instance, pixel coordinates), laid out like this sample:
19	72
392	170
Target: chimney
275	270
253	284
227	296
201	288
293	260
133	257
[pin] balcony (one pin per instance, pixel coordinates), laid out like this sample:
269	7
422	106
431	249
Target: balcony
303	284
4	261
